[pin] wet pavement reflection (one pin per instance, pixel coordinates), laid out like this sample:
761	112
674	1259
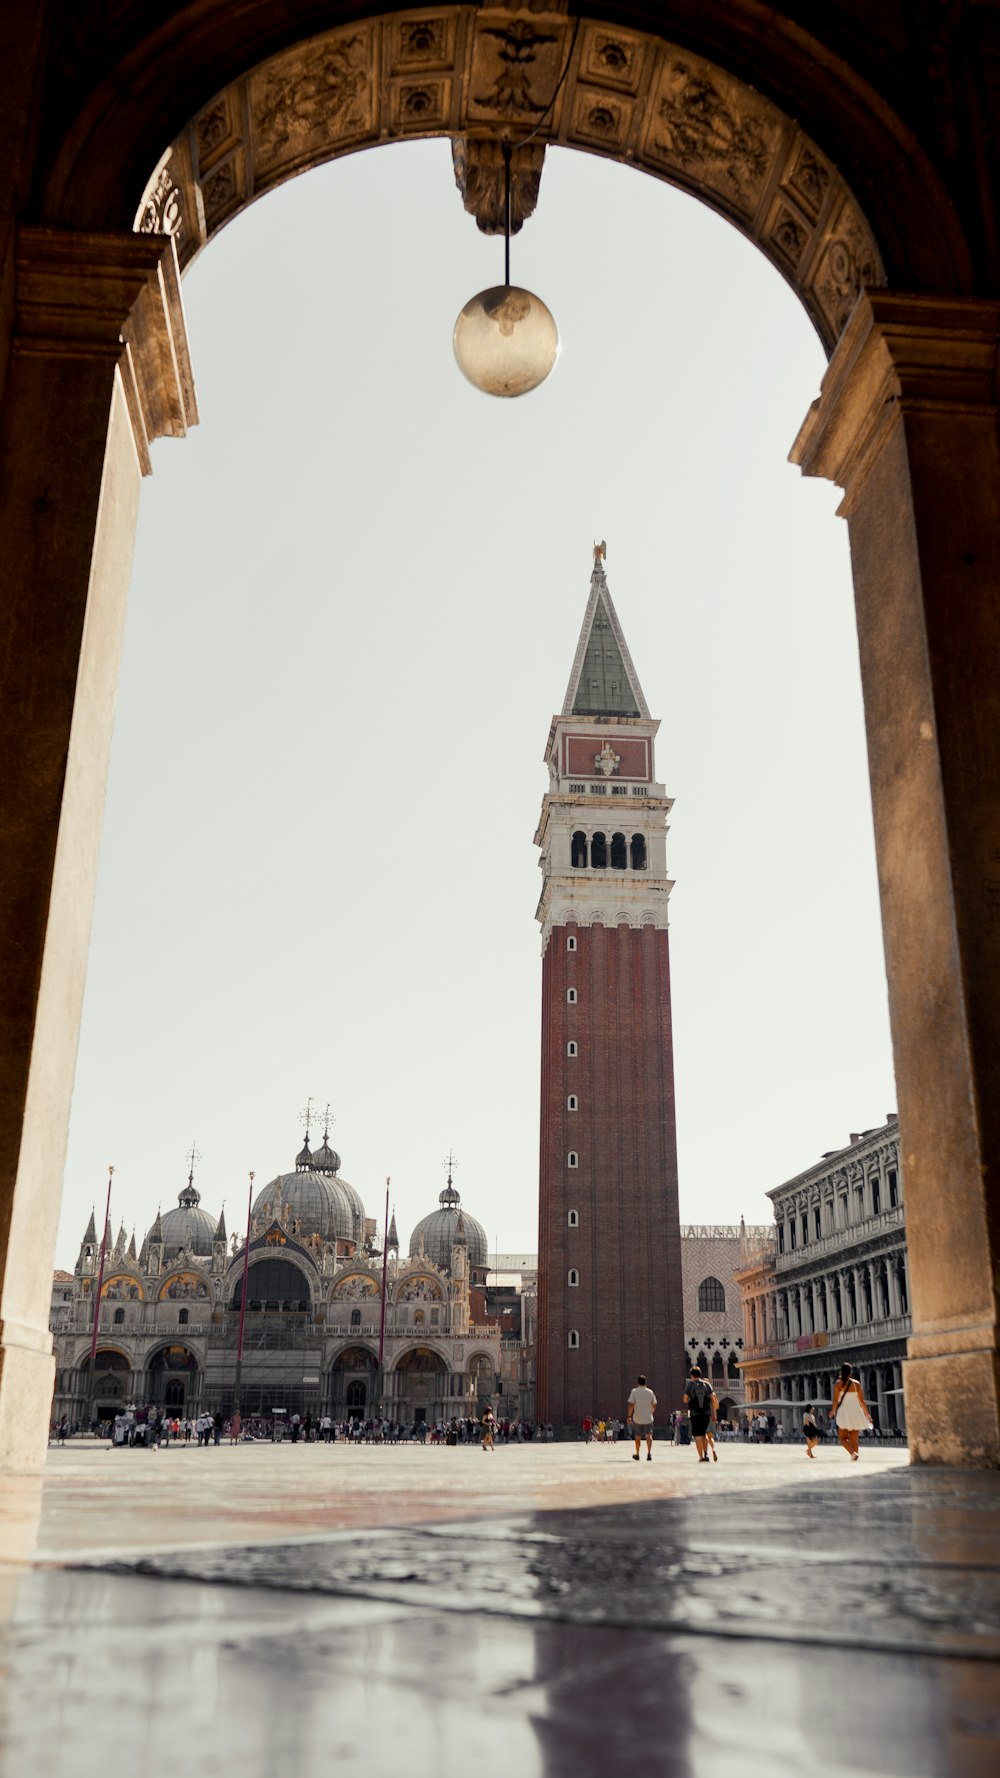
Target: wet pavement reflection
822	1628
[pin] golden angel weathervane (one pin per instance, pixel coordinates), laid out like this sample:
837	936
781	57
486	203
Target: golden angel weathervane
600	552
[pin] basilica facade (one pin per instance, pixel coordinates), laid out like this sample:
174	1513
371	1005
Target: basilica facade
308	1290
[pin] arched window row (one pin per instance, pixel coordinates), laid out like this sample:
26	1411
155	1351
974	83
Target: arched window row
598	852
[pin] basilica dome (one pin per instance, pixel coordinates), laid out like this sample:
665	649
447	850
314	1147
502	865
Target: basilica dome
435	1235
320	1201
188	1226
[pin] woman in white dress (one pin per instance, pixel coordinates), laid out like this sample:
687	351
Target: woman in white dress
850	1410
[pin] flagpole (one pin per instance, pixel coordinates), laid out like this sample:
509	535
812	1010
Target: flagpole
97	1304
381	1330
243	1302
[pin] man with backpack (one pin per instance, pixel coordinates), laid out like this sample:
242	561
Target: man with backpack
702	1406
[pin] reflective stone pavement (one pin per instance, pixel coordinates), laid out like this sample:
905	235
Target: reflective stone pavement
784	1618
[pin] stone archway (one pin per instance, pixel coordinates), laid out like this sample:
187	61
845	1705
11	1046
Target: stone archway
175	130
173	1379
352	1384
112	1386
418	1387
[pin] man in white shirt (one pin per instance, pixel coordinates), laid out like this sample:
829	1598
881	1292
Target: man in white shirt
641	1407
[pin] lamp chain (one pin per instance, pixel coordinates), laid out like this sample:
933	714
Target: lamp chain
506	214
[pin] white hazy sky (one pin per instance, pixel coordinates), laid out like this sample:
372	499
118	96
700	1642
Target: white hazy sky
356	596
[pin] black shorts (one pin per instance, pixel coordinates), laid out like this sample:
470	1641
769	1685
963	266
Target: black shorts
700	1424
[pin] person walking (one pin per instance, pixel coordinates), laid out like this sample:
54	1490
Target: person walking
641	1408
811	1430
850	1410
702	1406
489	1426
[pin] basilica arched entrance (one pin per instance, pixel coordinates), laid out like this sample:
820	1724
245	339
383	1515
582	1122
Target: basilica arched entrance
112	1386
418	1388
176	134
352	1384
174	1380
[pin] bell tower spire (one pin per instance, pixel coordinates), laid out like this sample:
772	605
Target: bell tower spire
609	1285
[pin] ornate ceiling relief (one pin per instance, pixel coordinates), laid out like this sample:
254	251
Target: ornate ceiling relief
306	103
486	74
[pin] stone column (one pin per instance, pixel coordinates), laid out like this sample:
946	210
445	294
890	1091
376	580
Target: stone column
98	368
906	424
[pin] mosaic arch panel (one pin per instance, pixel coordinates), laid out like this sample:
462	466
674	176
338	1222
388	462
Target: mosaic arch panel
357	1287
176	1359
421	1361
422	1289
185	1287
475	75
122	1289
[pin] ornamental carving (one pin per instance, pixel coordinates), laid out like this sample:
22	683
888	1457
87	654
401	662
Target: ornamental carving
477	73
790	237
520	87
220	187
700	130
479	175
321	94
212	129
161	209
607	761
810	180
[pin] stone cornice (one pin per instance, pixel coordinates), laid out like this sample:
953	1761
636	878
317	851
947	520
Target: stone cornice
116	297
897	352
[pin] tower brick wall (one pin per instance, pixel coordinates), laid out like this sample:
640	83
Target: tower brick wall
627	1307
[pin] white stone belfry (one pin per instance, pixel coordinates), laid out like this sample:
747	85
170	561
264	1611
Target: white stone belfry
603	827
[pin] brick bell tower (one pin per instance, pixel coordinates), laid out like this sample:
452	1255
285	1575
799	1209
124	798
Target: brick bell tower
609	1279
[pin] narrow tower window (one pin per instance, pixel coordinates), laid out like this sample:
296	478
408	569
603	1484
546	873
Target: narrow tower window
571	996
573	1278
573	1219
638	851
571	1049
578	851
572	1159
599	851
573	1339
571	943
572	1103
619	852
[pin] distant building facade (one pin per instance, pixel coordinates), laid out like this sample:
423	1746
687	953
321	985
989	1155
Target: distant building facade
609	1279
713	1307
829	1283
169	1316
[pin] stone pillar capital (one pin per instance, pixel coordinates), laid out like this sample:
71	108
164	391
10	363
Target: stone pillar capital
898	352
117	297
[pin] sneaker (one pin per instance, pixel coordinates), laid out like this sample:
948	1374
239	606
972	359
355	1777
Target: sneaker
649	1456
635	1456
